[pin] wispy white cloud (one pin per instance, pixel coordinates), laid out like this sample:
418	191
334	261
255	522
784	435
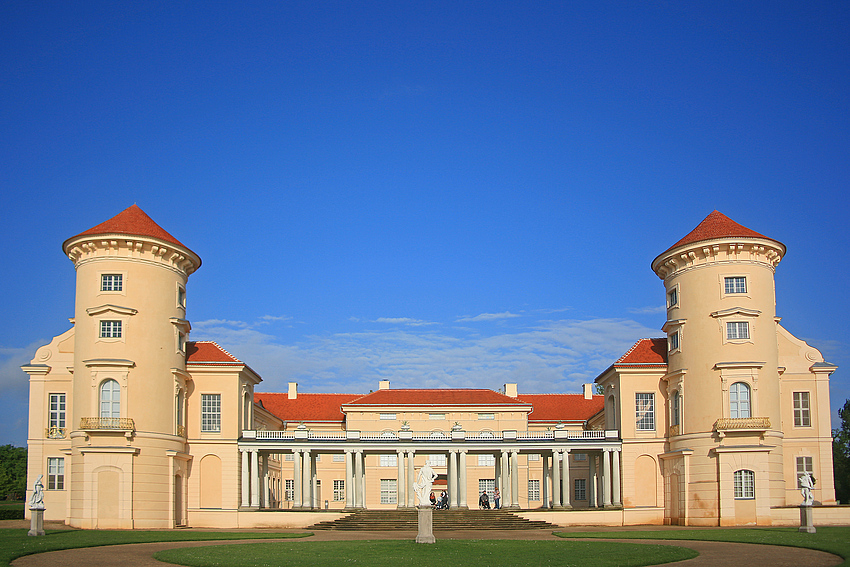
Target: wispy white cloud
274	318
404	321
652	309
489	317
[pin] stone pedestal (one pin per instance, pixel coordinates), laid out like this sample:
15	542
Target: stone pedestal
426	530
36	522
806	520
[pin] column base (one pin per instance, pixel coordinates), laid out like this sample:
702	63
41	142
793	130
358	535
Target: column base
611	507
36	522
425	523
511	507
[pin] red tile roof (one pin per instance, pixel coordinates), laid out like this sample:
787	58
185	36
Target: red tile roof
645	351
305	407
208	351
132	221
716	225
442	397
562	407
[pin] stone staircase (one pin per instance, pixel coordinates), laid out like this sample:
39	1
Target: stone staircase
443	520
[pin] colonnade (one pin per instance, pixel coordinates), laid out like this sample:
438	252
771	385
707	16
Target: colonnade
603	480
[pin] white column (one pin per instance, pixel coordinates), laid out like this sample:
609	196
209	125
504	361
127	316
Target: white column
255	481
410	479
565	478
514	480
506	480
546	496
453	480
591	480
246	479
314	469
462	484
615	477
297	491
306	479
497	472
358	479
556	479
349	480
606	478
264	472
401	483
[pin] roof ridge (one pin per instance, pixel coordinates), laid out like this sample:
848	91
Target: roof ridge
221	348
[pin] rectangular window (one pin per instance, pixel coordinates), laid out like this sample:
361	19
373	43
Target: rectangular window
181	297
487	485
804	465
55	473
387	416
288	457
486	416
389	491
745	485
111	282
486	460
56	417
534	457
339	458
673	297
289	489
339	490
388	460
110	329
673	341
737	330
580	456
211	412
645	412
580	490
533	489
802	413
736	284
437	460
436	416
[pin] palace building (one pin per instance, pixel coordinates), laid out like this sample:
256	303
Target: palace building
135	426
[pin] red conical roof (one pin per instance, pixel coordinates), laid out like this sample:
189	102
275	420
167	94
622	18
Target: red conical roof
717	225
131	221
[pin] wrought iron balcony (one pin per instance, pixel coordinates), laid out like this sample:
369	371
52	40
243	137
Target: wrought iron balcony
54	432
107	423
742	423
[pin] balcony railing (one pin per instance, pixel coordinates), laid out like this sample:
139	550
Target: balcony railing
727	423
107	423
425	435
54	432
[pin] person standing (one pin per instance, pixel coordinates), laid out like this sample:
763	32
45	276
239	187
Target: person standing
497	499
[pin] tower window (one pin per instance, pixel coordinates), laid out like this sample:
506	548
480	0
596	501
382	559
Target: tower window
57	411
739	400
111	282
737	330
645	412
110	329
802	411
181	297
673	342
676	407
55	473
735	284
673	297
110	400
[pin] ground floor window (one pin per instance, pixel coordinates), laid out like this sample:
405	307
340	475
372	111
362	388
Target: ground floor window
437	460
487	485
389	491
56	473
804	465
289	488
533	489
745	482
339	490
580	491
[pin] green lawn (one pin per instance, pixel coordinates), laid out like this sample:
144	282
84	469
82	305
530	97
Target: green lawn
393	553
832	539
15	543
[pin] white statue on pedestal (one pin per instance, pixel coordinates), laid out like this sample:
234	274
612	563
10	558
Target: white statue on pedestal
422	486
807	484
37	498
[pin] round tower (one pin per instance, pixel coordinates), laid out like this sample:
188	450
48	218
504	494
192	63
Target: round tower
129	372
721	327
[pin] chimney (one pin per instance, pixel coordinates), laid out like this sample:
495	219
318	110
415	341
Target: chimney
384	385
588	391
293	390
511	390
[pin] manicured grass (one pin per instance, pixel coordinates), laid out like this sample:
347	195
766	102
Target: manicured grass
832	539
15	543
394	553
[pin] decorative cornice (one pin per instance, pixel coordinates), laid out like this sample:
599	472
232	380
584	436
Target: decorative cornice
113	308
123	247
736	311
719	251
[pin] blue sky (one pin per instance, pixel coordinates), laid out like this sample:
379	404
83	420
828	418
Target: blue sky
438	193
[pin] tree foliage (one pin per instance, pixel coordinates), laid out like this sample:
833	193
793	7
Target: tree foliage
841	455
13	471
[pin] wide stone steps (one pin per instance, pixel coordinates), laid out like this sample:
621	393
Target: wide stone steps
386	520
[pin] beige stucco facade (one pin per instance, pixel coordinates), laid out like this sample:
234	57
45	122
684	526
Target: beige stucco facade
135	426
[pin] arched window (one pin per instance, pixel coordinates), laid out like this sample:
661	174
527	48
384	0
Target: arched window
676	408
739	400
745	485
110	399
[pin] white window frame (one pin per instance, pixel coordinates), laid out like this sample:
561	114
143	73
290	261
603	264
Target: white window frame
805	464
737	330
289	489
735	285
210	413
579	456
339	490
387	416
744	482
111	329
181	296
339	458
533	489
673	341
675	408
112	283
109	407
645	411
55	473
389	491
56	406
673	297
533	456
437	460
486	416
436	416
580	489
488	485
802	409
390	460
486	460
740	400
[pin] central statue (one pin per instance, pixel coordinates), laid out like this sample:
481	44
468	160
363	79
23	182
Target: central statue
422	486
